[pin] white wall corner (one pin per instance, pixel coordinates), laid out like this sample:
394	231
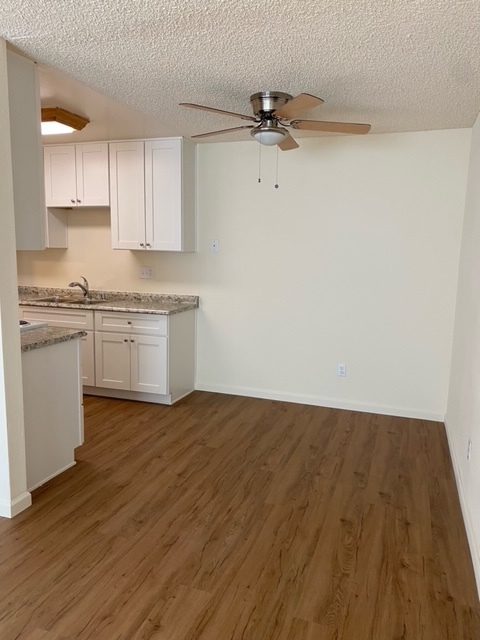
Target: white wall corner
14	496
472	538
9	509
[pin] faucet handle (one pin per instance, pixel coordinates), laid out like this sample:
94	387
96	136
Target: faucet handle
85	281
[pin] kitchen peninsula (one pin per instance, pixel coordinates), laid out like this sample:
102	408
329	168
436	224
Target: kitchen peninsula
52	397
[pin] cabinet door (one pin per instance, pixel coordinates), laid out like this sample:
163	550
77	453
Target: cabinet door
149	364
60	176
112	360
163	194
92	175
127	195
26	145
87	356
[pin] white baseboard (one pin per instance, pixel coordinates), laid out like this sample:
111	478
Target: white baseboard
128	395
11	509
321	401
472	538
53	475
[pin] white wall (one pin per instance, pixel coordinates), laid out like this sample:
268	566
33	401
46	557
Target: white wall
463	414
13	480
353	259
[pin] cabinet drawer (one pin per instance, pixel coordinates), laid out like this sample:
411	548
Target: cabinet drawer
70	318
141	323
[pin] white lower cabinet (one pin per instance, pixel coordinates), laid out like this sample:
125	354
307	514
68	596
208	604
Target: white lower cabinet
148	364
136	356
131	352
131	362
72	319
87	357
112	357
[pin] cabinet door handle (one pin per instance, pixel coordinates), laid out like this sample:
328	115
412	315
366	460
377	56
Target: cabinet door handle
142	244
148	244
78	200
129	322
132	340
125	340
72	201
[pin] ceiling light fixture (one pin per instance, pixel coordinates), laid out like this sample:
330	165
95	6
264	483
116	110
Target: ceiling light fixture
56	120
269	133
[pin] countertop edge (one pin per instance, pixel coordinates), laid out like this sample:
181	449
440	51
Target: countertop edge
47	336
111	305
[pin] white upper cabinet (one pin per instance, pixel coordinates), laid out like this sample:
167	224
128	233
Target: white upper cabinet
163	194
127	194
28	188
77	175
91	161
60	176
152	186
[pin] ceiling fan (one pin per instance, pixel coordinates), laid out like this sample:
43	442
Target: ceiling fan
273	111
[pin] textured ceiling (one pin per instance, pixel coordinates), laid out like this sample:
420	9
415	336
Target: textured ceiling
401	65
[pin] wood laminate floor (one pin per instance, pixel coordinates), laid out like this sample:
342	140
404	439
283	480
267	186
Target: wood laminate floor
230	518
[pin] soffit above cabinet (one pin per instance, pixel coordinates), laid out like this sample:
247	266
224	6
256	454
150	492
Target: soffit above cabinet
109	120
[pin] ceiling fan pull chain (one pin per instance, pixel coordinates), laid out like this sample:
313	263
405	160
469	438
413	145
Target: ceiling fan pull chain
259	163
276	171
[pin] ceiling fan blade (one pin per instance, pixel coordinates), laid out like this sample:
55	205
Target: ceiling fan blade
300	104
216	133
225	113
288	143
333	127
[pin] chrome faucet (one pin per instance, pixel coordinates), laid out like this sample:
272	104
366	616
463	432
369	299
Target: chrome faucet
84	287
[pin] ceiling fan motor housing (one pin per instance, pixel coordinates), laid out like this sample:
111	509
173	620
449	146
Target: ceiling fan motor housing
265	102
275	110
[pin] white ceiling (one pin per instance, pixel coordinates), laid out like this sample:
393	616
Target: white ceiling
401	65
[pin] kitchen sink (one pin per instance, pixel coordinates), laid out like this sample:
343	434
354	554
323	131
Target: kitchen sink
85	301
67	299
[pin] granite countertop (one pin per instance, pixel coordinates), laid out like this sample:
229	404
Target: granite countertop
46	336
129	301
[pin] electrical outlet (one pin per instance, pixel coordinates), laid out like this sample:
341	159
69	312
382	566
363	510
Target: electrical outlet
341	369
147	273
469	451
214	246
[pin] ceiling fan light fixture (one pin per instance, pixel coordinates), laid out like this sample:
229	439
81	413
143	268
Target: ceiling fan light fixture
269	136
56	120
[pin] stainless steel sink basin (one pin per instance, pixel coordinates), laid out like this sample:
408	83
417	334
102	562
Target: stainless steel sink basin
67	299
86	301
